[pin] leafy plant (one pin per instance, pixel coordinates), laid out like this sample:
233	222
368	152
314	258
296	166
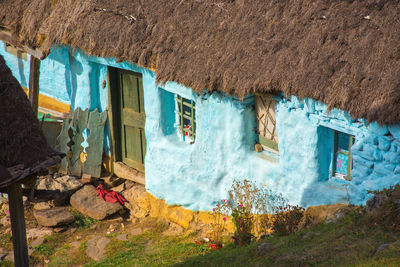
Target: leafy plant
219	219
243	221
244	196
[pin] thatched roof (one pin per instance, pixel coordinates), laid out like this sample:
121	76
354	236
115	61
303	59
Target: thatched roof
345	53
21	140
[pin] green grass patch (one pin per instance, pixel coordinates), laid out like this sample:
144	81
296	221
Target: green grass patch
82	221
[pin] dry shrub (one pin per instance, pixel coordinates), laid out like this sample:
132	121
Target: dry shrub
384	208
251	209
287	220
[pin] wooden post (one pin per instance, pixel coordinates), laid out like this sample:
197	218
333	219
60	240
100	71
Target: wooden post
18	225
34	73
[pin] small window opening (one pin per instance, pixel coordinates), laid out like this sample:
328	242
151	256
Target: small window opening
342	161
266	122
187	117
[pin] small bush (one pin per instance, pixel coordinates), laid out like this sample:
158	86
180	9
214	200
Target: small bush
384	208
287	220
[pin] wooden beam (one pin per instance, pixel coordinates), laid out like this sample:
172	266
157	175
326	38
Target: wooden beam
34	73
123	171
18	172
18	225
11	39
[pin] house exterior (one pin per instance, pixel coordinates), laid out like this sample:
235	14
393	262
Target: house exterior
190	107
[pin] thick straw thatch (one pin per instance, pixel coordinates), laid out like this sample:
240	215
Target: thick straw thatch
345	53
21	140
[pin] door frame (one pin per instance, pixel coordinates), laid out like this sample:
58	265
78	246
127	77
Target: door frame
114	104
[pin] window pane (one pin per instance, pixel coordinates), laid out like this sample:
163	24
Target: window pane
343	142
342	161
187	121
266	124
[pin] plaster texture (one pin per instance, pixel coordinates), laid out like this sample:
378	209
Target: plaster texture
197	175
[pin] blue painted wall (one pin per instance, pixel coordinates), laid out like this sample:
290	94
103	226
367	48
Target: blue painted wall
197	175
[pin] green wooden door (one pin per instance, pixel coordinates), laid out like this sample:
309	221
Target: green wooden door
132	119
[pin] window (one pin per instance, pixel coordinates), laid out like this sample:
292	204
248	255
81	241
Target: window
187	117
266	123
15	51
342	163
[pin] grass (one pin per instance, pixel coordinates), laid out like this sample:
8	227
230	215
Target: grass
350	242
353	241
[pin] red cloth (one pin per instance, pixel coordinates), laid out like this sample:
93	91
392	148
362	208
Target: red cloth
109	195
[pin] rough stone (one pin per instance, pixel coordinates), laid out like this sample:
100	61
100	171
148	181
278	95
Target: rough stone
119	188
86	178
361	161
382	247
5	221
385	142
42	206
64	183
173	229
2	256
395	146
371	139
264	247
137	201
38	232
10	256
392	157
180	216
86	201
112	181
75	244
37	242
375	128
54	216
60	229
122	237
96	247
395	131
3	253
383	168
137	194
397	170
321	214
136	231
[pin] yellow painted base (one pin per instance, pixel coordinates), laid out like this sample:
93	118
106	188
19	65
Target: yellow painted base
157	208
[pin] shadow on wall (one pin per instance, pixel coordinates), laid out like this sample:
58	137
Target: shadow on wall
72	70
94	79
167	111
325	142
21	72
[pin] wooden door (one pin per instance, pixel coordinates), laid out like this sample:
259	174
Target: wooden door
132	119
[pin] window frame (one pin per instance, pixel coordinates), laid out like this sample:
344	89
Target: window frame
271	144
335	152
191	104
